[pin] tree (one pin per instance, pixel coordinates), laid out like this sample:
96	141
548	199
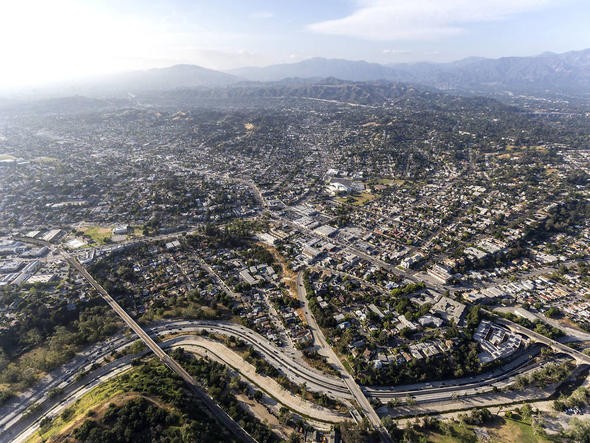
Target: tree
393	403
526	412
410	400
473	317
579	430
553	312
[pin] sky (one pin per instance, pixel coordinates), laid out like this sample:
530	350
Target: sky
43	41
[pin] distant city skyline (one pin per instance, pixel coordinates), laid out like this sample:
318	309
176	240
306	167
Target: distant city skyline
43	41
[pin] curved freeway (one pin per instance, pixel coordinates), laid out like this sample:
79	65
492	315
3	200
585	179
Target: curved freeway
296	370
299	372
13	423
210	405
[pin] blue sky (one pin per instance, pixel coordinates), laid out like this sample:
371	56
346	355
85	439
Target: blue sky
42	41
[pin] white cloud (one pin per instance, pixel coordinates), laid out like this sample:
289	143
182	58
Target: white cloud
421	19
391	51
261	15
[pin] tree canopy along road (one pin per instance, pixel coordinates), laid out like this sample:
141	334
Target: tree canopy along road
351	384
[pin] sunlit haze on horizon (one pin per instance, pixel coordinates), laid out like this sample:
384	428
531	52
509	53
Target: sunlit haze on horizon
50	41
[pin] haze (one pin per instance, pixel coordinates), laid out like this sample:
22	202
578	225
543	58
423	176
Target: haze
43	42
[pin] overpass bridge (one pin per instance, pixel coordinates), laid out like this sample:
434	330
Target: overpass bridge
540	338
212	408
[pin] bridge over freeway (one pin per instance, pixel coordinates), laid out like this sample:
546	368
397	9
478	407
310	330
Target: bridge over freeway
213	409
540	338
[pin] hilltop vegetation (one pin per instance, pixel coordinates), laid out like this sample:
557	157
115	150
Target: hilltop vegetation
150	403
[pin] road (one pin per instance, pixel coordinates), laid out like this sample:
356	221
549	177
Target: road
16	426
351	384
12	421
411	276
235	296
469	386
21	427
218	279
580	357
360	280
218	351
524	275
294	369
572	334
334	386
213	408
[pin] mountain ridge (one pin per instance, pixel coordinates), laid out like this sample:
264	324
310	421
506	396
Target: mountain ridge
565	73
545	75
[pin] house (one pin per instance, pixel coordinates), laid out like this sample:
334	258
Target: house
496	341
429	320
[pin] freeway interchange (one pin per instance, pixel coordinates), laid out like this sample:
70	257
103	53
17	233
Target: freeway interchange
16	424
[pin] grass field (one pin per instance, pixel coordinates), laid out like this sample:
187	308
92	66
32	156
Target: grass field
137	231
98	234
363	198
359	199
509	431
518	431
46	160
538	148
188	310
390	182
76	413
551	171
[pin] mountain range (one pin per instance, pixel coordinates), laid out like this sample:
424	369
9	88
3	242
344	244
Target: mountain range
157	79
547	75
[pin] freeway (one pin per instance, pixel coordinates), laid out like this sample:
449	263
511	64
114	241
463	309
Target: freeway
333	386
467	387
21	426
300	373
213	408
12	418
18	427
293	368
297	371
218	351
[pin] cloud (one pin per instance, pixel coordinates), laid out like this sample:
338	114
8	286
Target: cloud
421	19
395	51
262	15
